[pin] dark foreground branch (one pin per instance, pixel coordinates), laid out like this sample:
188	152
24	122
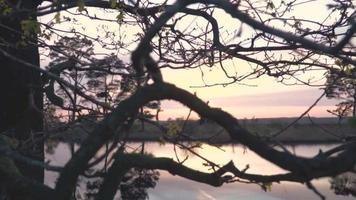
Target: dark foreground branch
124	162
307	168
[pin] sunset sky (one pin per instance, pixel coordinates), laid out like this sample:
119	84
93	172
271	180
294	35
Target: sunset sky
262	97
266	98
259	98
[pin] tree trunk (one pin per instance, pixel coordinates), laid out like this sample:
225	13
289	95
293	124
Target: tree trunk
354	102
21	99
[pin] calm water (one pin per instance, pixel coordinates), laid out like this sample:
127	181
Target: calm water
175	188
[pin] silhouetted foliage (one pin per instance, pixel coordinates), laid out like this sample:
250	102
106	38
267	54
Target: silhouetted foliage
110	74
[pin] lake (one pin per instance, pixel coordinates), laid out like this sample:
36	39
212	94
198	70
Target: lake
175	188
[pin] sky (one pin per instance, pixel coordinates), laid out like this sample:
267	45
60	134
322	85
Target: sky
266	99
257	98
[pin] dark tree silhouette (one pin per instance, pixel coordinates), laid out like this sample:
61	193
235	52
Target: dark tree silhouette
77	81
20	86
343	89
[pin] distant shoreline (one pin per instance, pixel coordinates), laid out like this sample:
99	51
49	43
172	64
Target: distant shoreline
305	131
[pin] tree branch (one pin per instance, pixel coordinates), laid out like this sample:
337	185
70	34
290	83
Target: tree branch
124	162
306	168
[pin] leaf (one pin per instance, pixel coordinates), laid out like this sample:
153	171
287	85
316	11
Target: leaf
161	141
270	5
113	3
267	187
173	129
30	26
7	10
6	164
120	17
348	70
81	5
338	62
57	17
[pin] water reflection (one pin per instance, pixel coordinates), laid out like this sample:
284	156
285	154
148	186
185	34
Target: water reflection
173	187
